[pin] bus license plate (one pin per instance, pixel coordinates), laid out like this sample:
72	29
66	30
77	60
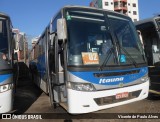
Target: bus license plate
122	95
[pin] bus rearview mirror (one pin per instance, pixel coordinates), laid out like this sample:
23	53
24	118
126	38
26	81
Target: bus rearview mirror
61	29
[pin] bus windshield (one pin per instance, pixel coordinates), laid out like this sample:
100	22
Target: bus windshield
3	36
90	41
127	40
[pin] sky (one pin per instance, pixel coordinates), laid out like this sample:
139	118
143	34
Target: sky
32	16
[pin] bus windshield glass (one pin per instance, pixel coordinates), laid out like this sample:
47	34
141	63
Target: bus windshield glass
130	48
89	41
3	36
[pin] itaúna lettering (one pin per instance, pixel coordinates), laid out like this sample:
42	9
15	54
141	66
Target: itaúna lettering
101	81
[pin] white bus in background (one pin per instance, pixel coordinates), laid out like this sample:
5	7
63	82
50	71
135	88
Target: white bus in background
7	83
149	31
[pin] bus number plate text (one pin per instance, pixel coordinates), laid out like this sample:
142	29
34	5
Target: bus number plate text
122	95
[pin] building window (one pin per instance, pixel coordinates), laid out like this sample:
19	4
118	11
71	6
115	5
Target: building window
116	4
111	3
106	3
134	12
134	5
135	20
129	4
129	11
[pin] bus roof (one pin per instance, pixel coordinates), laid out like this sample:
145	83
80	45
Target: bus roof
93	8
4	15
152	19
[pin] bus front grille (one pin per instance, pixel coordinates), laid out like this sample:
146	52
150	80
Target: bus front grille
112	99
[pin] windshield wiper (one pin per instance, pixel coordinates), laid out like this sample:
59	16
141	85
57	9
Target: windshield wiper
108	55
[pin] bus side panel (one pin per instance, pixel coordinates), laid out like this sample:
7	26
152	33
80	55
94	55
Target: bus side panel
39	76
42	73
38	64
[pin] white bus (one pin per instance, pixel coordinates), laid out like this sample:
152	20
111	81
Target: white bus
6	64
90	59
150	35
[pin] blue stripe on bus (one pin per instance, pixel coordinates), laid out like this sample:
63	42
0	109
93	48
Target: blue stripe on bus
89	77
4	77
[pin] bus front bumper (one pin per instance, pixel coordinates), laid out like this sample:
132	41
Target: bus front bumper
85	102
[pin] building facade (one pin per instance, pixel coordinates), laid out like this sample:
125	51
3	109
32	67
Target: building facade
35	49
21	46
127	7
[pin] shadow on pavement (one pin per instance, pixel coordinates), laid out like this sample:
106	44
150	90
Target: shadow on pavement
153	97
26	92
154	93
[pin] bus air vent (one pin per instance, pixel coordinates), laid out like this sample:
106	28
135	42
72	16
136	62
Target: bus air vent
116	73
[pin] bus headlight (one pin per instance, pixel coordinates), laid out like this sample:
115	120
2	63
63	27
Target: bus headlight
5	87
145	78
81	86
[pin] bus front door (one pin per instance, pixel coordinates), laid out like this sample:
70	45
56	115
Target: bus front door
56	74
